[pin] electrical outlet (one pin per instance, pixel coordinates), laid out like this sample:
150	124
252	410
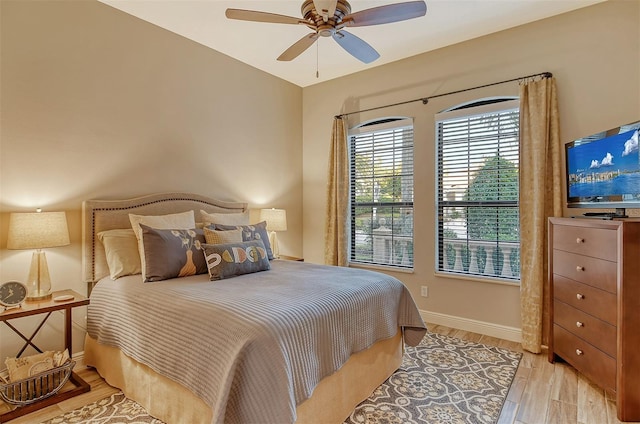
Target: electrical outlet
424	291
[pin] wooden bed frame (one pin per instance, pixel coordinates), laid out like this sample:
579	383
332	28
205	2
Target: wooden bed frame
333	399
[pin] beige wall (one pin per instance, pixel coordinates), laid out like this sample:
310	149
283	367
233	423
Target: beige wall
593	52
99	104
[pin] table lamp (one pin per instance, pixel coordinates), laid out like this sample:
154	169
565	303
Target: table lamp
38	231
276	221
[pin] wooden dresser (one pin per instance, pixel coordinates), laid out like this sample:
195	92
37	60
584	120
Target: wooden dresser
594	275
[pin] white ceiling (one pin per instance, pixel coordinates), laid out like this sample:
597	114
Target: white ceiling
259	44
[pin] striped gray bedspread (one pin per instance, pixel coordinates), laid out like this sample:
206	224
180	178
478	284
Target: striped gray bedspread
253	347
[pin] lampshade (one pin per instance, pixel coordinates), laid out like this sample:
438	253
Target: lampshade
37	230
276	219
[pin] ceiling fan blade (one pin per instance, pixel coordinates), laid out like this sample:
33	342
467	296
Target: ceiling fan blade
386	14
356	47
298	47
326	8
255	16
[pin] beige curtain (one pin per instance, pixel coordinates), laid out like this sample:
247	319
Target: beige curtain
336	236
540	198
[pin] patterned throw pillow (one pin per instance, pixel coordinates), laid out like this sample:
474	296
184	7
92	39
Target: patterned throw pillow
252	232
181	221
220	237
172	253
232	259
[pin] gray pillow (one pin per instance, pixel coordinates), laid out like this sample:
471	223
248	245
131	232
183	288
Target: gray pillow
232	259
172	253
251	232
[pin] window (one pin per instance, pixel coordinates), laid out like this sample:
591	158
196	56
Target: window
381	193
477	190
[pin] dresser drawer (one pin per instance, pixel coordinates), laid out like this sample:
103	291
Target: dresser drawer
599	303
593	363
597	332
597	273
595	242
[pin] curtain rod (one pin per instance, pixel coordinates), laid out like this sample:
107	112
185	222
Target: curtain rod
425	100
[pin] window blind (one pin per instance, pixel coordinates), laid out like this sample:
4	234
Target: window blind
478	189
381	190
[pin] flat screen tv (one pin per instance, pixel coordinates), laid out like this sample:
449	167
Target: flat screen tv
603	171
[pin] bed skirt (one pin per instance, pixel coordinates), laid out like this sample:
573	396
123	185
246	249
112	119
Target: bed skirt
332	401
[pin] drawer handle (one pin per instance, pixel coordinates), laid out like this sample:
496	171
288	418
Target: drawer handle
579	352
579	240
579	268
579	324
579	296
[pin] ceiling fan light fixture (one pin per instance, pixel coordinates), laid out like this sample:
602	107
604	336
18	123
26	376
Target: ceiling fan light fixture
326	31
327	18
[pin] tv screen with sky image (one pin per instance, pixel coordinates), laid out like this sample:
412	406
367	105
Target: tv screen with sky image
603	170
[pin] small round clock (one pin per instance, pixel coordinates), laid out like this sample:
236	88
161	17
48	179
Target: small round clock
12	294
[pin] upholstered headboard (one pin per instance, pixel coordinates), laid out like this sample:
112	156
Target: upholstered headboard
101	215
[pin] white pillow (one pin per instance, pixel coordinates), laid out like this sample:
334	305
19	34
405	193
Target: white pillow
174	221
121	250
225	218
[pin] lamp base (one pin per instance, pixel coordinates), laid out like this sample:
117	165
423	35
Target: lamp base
275	247
37	297
38	282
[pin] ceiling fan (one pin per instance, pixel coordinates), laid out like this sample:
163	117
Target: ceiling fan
328	18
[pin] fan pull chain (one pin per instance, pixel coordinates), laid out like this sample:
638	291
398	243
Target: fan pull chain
317	55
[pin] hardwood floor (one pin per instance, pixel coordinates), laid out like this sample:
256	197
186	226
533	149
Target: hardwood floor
99	390
546	393
541	393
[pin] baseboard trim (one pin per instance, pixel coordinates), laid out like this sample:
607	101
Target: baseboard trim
487	328
79	358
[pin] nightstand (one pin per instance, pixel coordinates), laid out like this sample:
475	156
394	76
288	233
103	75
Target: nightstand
290	258
47	307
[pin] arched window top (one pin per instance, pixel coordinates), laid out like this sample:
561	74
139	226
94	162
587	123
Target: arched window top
481	102
381	121
382	124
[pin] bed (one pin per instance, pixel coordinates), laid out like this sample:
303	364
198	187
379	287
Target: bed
295	342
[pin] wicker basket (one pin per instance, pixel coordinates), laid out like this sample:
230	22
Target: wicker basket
37	387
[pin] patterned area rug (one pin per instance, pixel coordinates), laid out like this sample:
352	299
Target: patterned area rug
115	409
444	380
